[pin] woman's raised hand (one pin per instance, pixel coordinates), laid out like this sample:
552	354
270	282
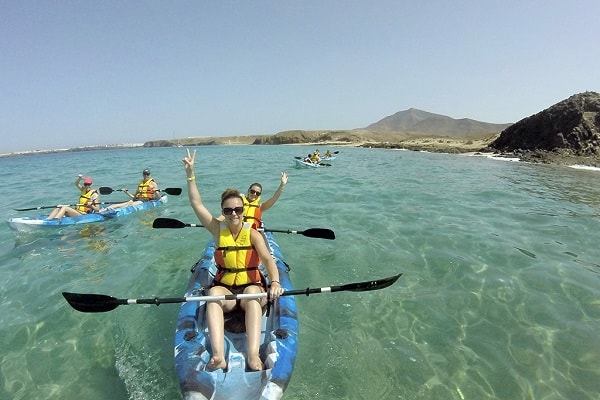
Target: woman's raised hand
188	162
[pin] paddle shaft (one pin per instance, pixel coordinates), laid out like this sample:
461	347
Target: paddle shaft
101	303
55	206
241	296
172	191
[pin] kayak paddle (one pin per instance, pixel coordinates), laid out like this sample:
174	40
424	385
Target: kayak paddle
70	205
302	158
93	303
319	233
172	191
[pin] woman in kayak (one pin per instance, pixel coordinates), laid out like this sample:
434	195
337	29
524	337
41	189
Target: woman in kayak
88	201
239	251
253	208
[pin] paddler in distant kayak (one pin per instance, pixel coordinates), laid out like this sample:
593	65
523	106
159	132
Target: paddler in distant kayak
147	190
88	201
239	251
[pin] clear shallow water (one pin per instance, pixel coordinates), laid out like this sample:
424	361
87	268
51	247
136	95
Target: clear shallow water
500	297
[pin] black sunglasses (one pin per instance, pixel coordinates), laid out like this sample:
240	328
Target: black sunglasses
229	211
254	192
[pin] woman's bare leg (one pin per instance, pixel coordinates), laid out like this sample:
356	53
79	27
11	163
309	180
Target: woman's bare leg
253	309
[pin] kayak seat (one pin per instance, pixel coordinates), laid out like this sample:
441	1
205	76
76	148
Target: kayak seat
235	321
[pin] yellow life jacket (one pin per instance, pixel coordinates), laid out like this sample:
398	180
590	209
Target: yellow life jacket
237	261
144	191
252	212
83	205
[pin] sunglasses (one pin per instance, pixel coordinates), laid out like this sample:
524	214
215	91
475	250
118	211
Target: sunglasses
87	184
229	211
254	192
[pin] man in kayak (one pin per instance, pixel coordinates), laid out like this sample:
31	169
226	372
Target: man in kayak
88	201
147	190
239	251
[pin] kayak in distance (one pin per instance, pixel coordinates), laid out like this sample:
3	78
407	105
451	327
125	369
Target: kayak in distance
278	349
36	223
305	164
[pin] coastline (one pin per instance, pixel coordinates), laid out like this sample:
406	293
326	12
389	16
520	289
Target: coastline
473	145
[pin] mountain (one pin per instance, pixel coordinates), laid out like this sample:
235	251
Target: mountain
570	126
423	123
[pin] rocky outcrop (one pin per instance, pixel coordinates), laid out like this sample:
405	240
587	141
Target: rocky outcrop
159	143
568	128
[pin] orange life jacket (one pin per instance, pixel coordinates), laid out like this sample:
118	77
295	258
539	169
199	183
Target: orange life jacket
252	212
144	191
85	201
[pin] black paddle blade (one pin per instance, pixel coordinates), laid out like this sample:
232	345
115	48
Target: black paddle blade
370	285
319	233
105	190
172	191
91	303
167	223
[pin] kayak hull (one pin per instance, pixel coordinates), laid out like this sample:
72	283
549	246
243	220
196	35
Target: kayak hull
279	342
40	222
303	164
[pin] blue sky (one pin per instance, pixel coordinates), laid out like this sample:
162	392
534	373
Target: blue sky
76	73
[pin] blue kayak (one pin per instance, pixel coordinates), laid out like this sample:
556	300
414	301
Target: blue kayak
304	164
279	342
41	222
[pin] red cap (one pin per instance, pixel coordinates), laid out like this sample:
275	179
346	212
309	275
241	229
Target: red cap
88	179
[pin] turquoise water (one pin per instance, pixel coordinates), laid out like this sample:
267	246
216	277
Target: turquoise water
500	297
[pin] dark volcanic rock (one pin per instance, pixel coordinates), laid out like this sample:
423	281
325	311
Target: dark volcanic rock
568	128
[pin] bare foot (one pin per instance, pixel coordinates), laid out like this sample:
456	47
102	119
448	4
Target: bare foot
255	363
217	362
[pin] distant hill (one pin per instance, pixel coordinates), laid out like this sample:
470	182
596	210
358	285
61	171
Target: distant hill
423	123
389	131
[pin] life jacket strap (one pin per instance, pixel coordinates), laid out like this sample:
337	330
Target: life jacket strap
220	268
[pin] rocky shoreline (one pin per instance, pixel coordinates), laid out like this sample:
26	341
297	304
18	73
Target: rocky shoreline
471	145
566	133
384	141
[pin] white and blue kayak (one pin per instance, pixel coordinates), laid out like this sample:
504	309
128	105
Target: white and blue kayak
305	164
279	341
331	158
38	222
